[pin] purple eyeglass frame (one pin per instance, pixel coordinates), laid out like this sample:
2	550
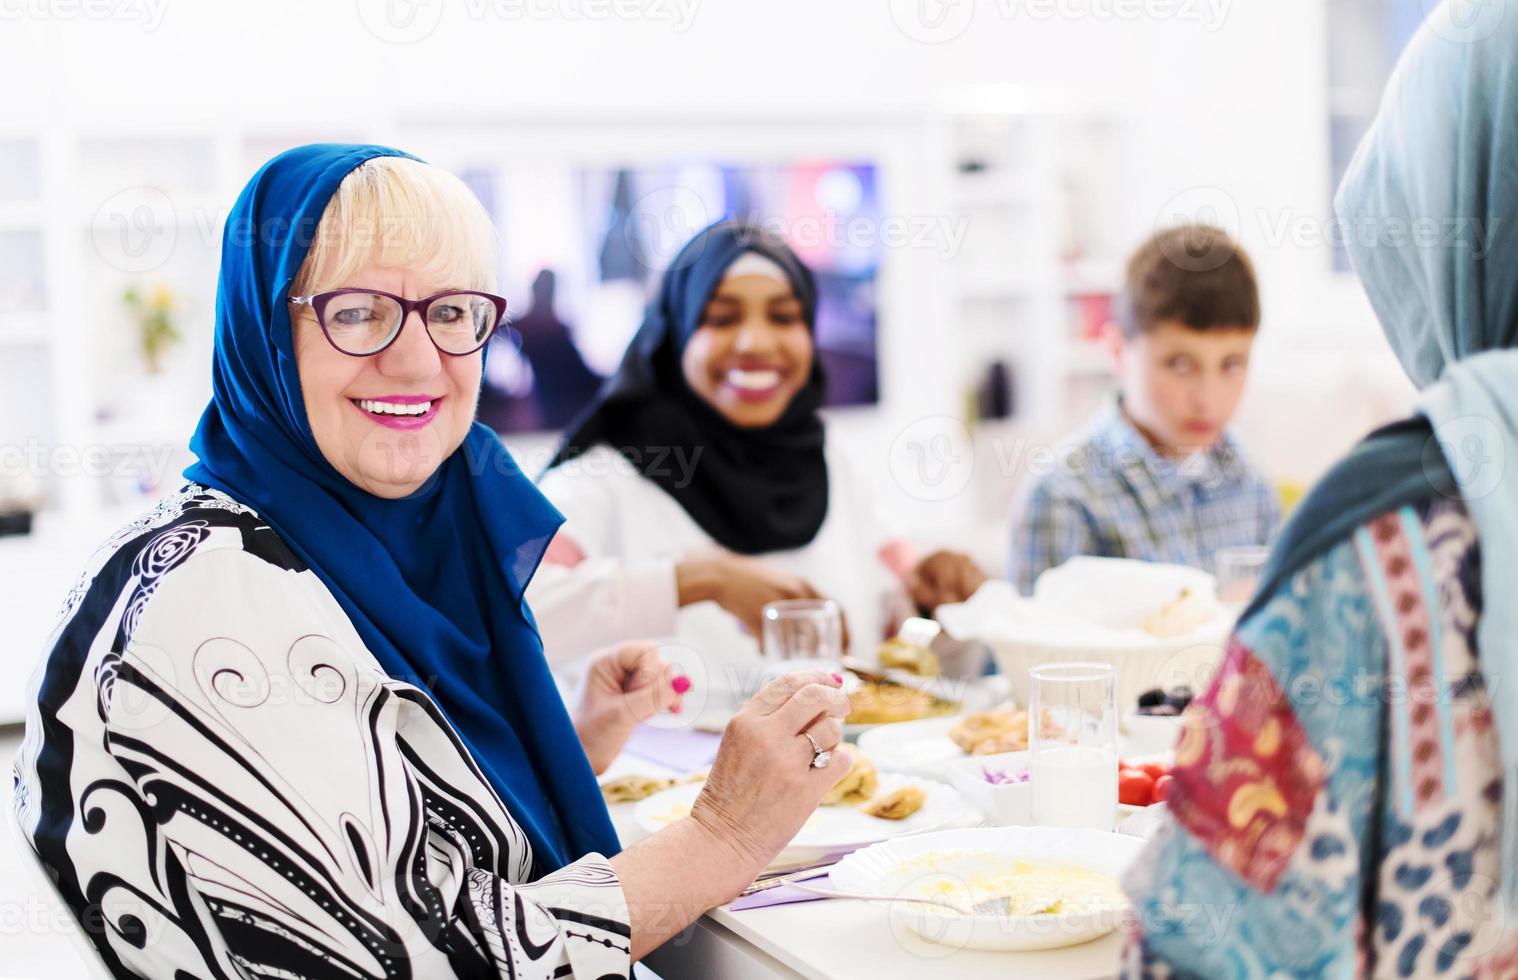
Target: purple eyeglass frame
318	304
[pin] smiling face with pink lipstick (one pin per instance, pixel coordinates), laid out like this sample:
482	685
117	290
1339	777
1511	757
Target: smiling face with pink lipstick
752	352
387	421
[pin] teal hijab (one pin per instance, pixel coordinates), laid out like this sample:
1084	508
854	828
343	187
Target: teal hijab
1429	204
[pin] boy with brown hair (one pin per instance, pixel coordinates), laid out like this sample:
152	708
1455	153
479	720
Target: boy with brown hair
1157	476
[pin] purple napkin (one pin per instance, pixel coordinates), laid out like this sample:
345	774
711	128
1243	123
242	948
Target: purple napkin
680	749
779	895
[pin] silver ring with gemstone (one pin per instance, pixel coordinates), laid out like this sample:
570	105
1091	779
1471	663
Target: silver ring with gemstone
820	756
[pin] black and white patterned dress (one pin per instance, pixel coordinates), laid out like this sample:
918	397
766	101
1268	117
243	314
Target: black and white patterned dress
224	783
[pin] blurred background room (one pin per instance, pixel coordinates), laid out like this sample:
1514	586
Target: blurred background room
965	177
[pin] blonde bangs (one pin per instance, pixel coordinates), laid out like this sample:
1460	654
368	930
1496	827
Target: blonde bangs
401	213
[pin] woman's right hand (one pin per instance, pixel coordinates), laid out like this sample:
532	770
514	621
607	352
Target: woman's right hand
738	584
762	787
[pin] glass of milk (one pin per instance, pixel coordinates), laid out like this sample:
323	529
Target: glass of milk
1072	745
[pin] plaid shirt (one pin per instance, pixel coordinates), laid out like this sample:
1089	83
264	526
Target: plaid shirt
1112	495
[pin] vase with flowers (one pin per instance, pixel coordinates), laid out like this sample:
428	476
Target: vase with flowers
154	310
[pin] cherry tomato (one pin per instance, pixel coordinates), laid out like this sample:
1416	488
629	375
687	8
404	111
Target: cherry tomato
1155	769
1162	788
1135	787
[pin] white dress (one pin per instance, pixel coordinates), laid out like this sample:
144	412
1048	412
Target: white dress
225	783
632	533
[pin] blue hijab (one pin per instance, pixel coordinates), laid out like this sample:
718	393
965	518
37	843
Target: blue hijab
433	582
1429	205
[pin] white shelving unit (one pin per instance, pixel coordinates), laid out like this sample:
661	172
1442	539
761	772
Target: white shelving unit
1041	186
86	209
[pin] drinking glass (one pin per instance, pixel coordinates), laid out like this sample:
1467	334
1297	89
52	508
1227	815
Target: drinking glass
803	629
1238	573
1072	745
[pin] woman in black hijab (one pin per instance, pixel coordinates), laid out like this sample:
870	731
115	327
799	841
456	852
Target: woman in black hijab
705	451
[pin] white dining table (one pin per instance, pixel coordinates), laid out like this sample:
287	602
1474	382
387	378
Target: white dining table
837	939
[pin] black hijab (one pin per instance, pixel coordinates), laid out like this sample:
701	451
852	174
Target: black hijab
752	490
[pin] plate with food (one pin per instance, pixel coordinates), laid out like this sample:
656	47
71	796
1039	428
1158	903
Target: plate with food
876	702
998	888
635	787
903	684
922	747
865	806
925	748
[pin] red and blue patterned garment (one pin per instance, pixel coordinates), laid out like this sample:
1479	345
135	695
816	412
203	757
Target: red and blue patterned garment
1337	800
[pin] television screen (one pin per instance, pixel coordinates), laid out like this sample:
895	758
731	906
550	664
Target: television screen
582	250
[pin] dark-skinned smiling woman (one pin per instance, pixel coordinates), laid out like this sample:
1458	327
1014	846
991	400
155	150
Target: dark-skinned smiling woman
703	483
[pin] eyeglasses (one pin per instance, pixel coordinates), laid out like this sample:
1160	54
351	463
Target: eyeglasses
363	322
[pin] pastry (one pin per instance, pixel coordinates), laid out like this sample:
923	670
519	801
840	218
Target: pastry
857	786
1012	741
989	732
632	788
897	805
913	658
876	704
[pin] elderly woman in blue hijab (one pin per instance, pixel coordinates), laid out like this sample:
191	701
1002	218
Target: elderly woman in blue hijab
1344	792
296	720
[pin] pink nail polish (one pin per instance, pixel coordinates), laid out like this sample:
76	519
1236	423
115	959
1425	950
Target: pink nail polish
680	684
838	678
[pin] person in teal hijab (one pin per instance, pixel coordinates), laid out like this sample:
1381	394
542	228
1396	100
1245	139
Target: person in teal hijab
1343	796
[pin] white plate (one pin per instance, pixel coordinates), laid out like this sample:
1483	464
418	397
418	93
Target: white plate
916	748
902	866
831	827
924	748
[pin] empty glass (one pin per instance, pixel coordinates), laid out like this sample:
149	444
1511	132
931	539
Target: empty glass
803	629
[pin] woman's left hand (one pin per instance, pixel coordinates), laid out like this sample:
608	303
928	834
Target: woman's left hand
625	685
943	577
